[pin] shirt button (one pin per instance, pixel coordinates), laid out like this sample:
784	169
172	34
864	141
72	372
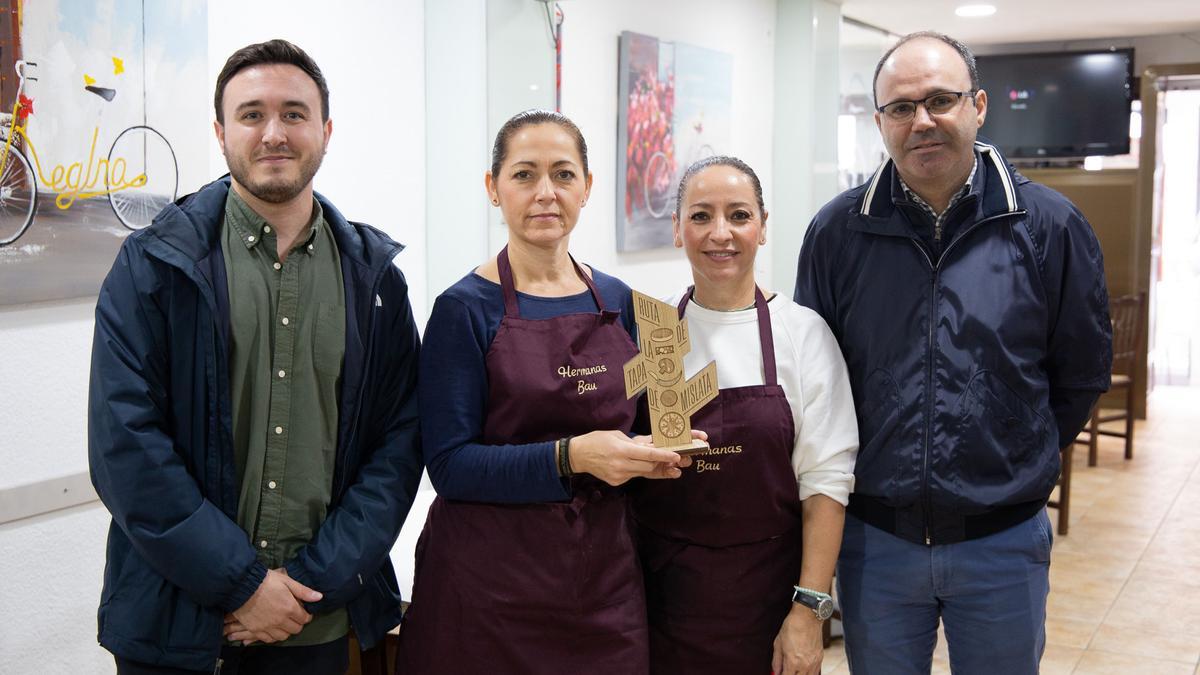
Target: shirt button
281	373
278	430
271	485
267	229
285	321
262	544
250	238
277	266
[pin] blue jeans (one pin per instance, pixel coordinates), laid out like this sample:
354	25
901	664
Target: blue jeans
989	592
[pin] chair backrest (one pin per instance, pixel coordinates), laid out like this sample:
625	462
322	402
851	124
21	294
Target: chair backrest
1126	313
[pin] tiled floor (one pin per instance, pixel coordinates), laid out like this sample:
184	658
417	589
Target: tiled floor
1125	582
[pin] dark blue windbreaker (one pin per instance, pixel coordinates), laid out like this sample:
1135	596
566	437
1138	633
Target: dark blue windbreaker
160	443
968	371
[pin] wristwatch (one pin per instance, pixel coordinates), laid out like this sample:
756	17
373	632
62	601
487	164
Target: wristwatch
820	603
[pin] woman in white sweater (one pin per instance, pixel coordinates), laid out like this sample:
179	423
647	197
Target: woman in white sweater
739	552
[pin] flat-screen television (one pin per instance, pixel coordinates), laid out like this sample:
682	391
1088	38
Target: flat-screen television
1061	104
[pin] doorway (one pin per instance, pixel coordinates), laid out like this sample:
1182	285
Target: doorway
1174	317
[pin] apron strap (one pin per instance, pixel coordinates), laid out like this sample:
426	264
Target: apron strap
766	339
687	297
504	269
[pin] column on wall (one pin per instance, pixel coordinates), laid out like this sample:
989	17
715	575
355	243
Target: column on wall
805	142
520	76
484	61
455	140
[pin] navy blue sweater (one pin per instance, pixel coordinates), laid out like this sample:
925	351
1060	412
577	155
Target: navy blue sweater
453	387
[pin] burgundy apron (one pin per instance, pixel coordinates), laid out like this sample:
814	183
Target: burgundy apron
536	588
721	545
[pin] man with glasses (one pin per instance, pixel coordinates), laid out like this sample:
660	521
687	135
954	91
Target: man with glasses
971	307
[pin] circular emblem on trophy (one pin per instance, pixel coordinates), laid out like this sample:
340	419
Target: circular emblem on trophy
658	370
671	424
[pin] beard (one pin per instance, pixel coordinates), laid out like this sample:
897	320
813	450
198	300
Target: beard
276	189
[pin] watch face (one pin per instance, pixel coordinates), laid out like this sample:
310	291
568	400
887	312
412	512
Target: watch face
824	610
821	606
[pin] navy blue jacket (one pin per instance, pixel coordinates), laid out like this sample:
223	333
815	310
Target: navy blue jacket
971	369
161	452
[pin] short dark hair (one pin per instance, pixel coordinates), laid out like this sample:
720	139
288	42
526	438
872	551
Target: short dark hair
271	51
967	57
719	160
532	117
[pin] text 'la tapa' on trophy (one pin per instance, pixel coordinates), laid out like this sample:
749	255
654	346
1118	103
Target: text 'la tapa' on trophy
658	369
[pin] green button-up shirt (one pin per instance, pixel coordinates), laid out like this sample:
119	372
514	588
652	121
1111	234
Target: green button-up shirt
288	337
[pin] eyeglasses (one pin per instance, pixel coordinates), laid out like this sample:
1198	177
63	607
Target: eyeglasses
935	104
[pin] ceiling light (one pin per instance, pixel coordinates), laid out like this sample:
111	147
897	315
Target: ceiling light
975	10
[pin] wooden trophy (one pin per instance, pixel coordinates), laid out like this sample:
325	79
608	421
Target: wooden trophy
658	369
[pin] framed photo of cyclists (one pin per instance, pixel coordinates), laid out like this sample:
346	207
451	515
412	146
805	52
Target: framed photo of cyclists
673	109
103	121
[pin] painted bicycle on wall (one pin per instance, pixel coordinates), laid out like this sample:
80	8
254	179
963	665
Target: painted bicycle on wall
140	173
661	179
662	175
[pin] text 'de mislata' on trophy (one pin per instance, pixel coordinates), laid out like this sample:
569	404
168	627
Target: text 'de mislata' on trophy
658	370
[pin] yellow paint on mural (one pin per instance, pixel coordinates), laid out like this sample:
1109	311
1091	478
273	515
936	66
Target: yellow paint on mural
79	180
88	80
118	66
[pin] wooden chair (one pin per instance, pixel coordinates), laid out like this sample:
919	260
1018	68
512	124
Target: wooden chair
378	660
1126	313
1063	503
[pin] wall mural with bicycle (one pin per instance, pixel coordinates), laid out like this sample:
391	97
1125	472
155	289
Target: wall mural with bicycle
674	108
107	124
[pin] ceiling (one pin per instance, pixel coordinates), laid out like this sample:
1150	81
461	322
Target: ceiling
1032	20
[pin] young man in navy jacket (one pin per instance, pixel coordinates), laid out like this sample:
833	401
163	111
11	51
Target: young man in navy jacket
253	415
971	307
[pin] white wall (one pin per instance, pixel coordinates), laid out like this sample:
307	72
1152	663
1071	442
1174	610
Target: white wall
50	573
743	29
372	54
50	566
1149	50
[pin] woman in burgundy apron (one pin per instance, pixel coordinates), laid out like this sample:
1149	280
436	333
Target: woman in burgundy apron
722	546
534	585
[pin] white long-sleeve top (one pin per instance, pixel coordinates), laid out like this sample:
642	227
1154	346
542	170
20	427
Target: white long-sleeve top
812	372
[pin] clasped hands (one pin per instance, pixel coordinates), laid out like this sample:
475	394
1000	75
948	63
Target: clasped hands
274	613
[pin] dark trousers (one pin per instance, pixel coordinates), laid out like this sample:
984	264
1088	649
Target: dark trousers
330	658
989	593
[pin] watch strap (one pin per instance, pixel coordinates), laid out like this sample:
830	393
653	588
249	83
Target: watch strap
800	590
820	603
